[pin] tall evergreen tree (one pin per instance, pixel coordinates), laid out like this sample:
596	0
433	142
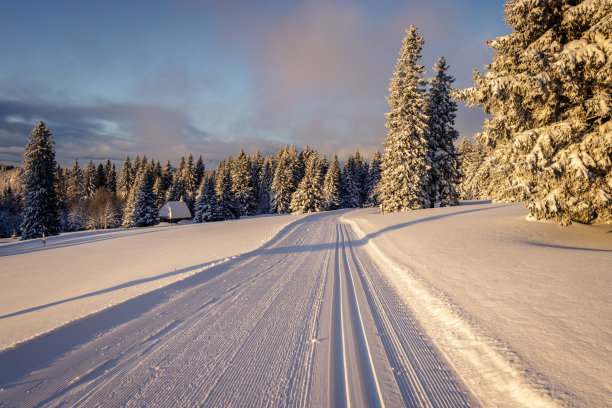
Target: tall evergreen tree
100	176
230	208
444	175
110	176
265	194
404	167
373	179
207	208
200	169
40	215
166	177
125	181
178	190
75	184
331	186
242	184
349	187
145	211
285	183
548	94
89	179
308	198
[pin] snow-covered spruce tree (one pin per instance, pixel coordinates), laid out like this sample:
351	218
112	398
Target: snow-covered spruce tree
40	208
110	176
225	193
548	94
178	190
242	184
285	182
265	201
350	196
190	178
145	212
308	198
75	183
100	177
372	180
331	186
89	179
404	169
207	208
166	177
200	169
444	175
125	180
61	189
256	167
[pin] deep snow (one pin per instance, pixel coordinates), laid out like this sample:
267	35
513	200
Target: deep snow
79	273
521	308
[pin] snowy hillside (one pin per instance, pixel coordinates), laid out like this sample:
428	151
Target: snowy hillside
82	272
512	303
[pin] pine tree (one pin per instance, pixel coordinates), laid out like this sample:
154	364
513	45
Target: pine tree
75	184
110	176
285	183
190	177
331	186
89	179
178	190
444	175
125	181
61	189
40	215
548	94
349	188
373	179
145	211
404	167
230	208
242	184
256	168
100	177
265	195
200	169
361	177
207	208
166	177
308	197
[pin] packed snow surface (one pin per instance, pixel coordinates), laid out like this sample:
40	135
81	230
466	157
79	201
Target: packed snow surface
462	306
519	307
79	273
305	320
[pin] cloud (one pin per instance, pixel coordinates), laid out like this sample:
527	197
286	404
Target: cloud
113	131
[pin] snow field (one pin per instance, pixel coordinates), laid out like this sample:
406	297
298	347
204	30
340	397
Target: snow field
294	323
520	309
80	273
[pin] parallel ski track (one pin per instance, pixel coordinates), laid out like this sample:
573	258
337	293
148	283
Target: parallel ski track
259	331
423	379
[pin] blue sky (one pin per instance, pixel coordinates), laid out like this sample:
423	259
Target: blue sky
165	78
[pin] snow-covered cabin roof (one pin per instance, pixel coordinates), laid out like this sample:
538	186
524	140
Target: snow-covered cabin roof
174	210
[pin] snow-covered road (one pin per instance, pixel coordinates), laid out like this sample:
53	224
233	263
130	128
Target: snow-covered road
306	320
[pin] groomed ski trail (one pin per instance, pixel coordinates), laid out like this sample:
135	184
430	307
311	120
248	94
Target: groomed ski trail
306	320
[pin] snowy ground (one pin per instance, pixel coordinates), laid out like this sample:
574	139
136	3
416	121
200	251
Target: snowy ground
518	307
443	307
79	273
306	320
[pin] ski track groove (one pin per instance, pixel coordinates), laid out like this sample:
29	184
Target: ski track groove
249	334
422	378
